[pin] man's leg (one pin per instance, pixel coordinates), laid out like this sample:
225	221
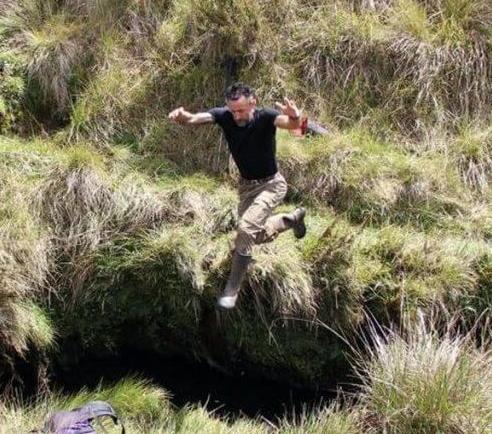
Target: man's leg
255	207
279	223
252	216
239	267
257	225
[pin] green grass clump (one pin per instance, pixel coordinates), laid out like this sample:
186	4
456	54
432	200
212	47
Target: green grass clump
103	110
49	43
329	420
423	383
281	280
135	399
409	269
12	87
373	182
329	251
470	150
140	405
25	257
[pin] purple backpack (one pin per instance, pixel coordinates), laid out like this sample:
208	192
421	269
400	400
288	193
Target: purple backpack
80	420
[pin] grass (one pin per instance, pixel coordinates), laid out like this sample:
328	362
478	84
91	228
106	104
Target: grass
11	91
117	208
409	270
144	407
106	224
422	382
470	150
100	111
279	279
347	58
119	67
417	380
25	261
372	181
331	419
136	401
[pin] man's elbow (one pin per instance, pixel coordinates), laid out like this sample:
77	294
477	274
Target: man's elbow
287	123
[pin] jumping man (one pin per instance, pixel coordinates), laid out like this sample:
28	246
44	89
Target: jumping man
250	134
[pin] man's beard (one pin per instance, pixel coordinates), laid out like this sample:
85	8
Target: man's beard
241	123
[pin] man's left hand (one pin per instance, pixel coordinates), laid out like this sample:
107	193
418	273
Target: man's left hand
289	108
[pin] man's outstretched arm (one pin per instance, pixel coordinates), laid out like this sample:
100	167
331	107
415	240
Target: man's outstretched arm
290	119
183	117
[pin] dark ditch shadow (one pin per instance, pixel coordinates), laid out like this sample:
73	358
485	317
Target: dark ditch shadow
197	383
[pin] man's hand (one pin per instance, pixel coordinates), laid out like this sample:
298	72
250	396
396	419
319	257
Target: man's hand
180	116
289	108
290	119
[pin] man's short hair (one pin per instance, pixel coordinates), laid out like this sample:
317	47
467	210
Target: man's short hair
237	90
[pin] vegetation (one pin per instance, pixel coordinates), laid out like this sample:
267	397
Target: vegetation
116	226
420	382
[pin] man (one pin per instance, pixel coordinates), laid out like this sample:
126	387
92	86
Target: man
250	134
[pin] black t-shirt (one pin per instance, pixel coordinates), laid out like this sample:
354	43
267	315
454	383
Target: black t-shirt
252	146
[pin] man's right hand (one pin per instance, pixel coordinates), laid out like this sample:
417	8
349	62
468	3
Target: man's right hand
180	116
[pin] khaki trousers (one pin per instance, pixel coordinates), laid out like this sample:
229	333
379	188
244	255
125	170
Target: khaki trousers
257	223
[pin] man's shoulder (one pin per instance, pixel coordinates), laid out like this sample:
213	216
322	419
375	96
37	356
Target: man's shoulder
221	115
219	111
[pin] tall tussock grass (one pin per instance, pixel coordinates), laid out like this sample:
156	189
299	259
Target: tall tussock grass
417	61
372	181
427	380
84	211
47	39
116	67
280	280
25	261
471	151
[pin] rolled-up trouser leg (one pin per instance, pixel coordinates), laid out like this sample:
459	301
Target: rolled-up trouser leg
249	235
274	225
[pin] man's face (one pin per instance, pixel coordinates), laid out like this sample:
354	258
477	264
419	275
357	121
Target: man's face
242	109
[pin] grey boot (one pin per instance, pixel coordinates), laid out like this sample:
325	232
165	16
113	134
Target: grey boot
227	300
296	219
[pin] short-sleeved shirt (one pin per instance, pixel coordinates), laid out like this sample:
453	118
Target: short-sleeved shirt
253	146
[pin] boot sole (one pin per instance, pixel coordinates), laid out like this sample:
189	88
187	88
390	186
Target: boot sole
300	227
300	232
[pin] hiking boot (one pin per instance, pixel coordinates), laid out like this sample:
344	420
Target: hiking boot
298	225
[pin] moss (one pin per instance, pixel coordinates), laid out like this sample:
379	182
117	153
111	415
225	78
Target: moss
304	352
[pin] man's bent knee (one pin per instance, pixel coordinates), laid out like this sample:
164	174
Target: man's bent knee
244	242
